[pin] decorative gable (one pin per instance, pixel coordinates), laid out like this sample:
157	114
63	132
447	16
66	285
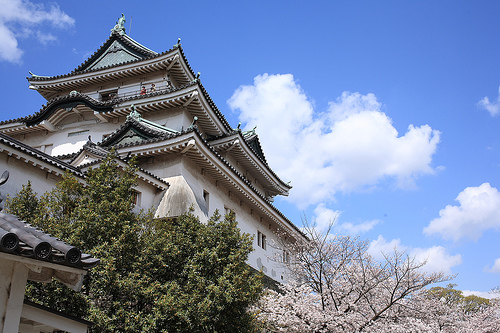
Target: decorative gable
130	136
116	53
136	129
252	139
118	49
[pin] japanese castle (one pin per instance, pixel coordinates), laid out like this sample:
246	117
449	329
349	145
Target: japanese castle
153	106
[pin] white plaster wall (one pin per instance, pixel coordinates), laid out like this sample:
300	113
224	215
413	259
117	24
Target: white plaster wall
176	118
20	172
149	196
64	144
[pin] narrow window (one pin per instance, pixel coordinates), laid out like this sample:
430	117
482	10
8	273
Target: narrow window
206	197
77	133
286	257
109	95
261	240
136	197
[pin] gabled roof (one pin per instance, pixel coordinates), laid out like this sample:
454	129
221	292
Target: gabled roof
119	57
252	139
118	49
64	104
67	102
92	154
136	129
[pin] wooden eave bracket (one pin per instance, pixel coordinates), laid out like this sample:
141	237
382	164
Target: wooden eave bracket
191	143
48	126
233	144
193	96
175	59
100	116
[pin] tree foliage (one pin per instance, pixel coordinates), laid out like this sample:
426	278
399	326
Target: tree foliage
455	298
175	275
336	286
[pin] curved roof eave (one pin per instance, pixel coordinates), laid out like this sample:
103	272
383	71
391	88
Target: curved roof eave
193	91
253	157
73	98
148	63
214	107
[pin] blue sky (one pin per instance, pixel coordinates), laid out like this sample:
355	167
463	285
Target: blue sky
384	114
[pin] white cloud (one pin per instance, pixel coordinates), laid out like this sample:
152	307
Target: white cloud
349	147
437	258
479	210
45	38
483	294
357	229
495	268
324	217
22	19
380	247
492	108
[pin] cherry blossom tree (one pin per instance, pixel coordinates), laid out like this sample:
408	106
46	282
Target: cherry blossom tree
336	286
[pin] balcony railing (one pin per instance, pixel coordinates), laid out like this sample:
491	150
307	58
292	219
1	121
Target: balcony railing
159	90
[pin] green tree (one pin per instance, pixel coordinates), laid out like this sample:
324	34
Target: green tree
155	275
452	297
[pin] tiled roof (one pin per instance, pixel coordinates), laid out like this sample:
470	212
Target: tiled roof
222	159
252	139
131	122
140	51
158	138
101	151
253	142
92	148
129	41
214	107
70	100
19	238
68	156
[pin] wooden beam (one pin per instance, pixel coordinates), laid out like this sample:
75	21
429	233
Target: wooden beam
14	276
172	63
48	126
